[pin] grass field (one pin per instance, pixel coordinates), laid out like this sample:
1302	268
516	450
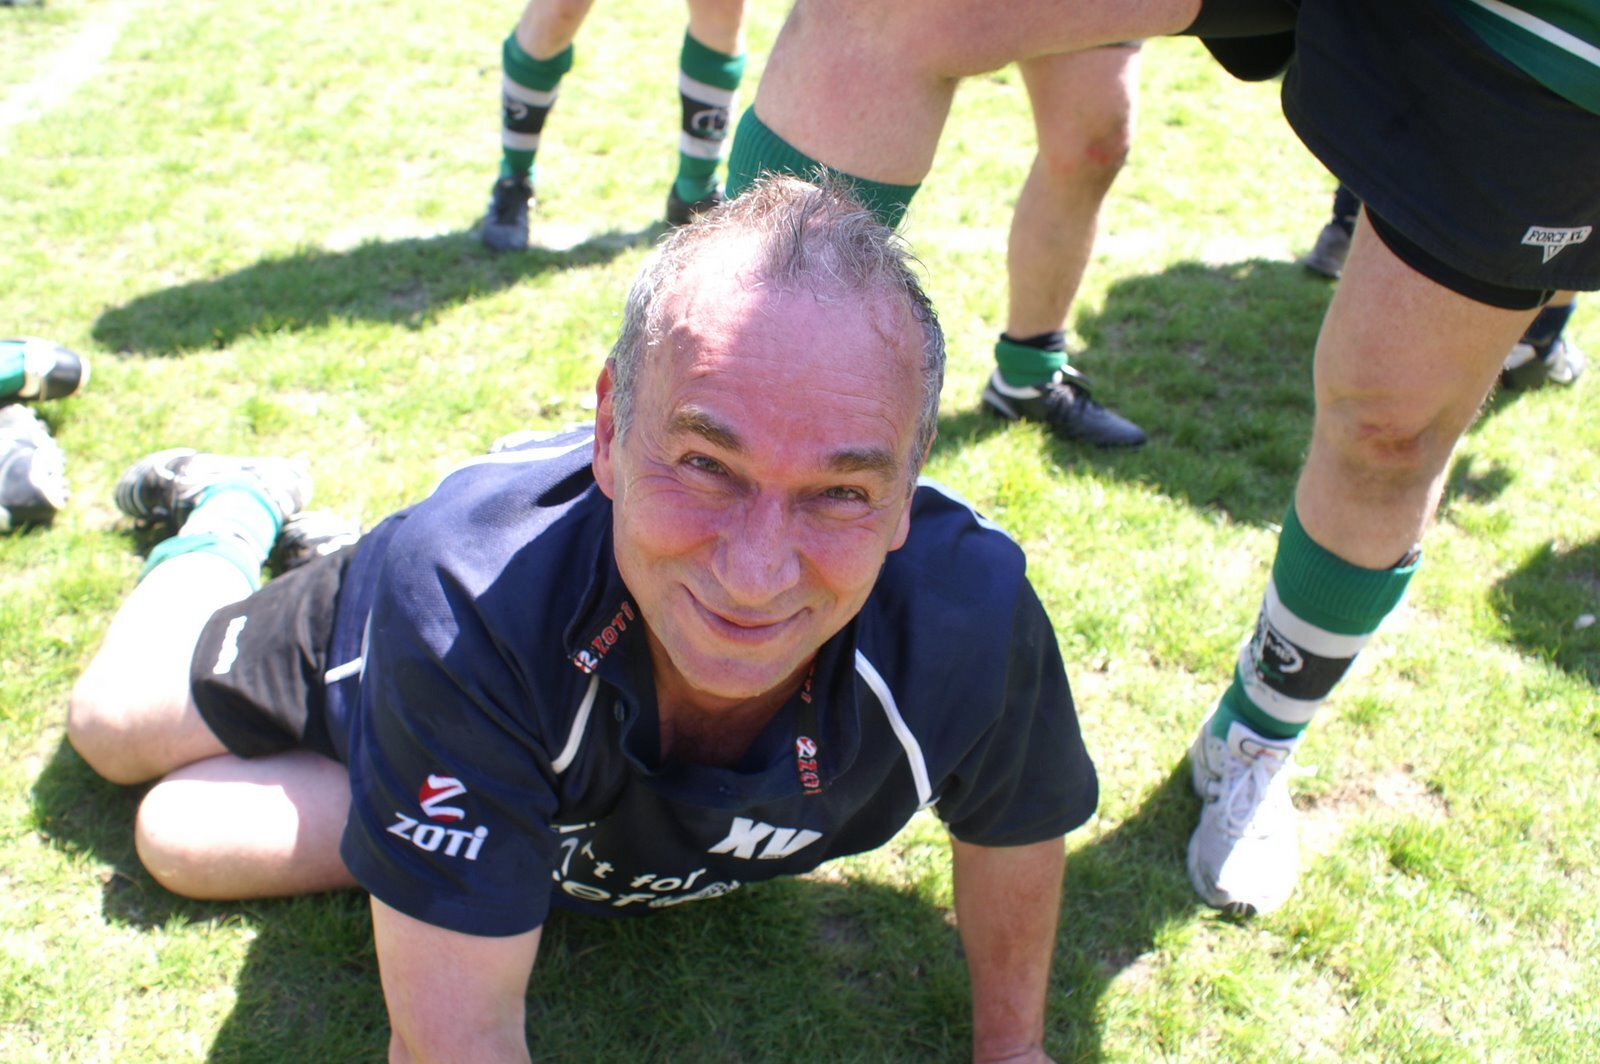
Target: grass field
254	219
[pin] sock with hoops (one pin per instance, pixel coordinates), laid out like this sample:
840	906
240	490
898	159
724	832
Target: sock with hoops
1318	613
708	81
232	519
528	91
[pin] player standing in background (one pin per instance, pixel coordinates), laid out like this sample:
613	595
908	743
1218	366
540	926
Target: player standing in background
538	55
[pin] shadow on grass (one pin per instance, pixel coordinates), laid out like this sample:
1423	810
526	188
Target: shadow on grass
1215	363
1541	603
404	282
822	967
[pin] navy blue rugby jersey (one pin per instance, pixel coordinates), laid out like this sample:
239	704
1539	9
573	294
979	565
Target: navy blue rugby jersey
501	732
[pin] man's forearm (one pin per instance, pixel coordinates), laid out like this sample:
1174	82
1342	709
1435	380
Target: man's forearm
1007	903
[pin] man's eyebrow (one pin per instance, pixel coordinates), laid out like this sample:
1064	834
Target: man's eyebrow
869	460
850	460
698	423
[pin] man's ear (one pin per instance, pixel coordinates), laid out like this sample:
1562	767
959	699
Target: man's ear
605	433
904	530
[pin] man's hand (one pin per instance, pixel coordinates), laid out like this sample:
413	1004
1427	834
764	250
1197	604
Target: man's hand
452	997
1007	901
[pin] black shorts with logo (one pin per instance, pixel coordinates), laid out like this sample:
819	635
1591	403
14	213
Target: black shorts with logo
1478	176
259	674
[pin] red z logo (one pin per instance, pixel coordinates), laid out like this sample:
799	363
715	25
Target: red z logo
437	791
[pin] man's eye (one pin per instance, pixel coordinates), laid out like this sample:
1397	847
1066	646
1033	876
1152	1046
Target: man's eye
844	494
703	464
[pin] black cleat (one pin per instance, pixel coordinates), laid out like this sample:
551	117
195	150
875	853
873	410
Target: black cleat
681	211
505	226
1064	404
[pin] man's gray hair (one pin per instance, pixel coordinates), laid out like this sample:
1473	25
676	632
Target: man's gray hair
813	235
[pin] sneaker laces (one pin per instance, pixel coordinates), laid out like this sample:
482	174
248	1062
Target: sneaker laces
1062	393
1253	793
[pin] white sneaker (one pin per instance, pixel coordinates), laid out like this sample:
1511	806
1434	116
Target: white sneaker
1244	856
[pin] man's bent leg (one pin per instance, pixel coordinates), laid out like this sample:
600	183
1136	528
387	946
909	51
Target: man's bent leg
1083	107
227	827
1402	365
131	717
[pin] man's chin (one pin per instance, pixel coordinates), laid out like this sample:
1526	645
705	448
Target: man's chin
737	681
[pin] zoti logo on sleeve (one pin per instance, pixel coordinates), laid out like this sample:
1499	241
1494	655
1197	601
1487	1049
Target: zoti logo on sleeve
431	837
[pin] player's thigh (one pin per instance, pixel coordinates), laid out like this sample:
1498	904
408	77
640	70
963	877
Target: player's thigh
1401	355
243	827
960	38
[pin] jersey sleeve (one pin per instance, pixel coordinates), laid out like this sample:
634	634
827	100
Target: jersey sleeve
451	788
1028	777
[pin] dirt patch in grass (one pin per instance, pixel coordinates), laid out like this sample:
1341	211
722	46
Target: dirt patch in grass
1324	818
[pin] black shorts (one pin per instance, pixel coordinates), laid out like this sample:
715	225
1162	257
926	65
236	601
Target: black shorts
1480	177
259	674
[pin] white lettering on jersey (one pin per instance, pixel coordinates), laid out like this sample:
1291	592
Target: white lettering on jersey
230	647
430	838
746	833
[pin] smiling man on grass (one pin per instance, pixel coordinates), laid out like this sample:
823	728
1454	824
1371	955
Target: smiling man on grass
723	635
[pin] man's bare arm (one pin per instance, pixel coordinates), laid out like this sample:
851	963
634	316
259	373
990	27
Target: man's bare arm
452	997
1007	901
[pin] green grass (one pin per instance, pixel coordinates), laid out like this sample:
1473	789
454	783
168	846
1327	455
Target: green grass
253	219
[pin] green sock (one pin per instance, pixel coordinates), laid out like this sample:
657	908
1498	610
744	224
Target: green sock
13	373
232	519
528	91
1029	362
1318	613
757	149
708	81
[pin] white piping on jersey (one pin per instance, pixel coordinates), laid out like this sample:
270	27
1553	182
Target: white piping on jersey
919	767
339	672
518	455
1545	31
914	758
355	666
575	736
929	482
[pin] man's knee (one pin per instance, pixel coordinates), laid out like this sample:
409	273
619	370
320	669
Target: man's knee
1393	442
163	835
1088	161
546	23
98	727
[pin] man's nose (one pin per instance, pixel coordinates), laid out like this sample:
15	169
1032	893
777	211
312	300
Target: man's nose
758	559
